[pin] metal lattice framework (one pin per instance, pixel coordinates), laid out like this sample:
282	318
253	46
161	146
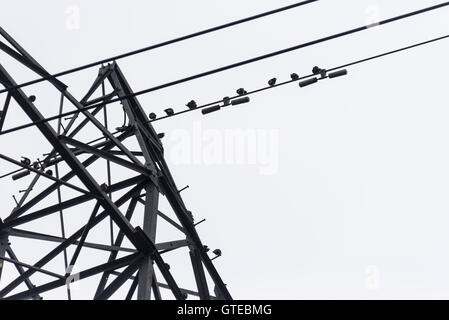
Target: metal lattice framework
137	150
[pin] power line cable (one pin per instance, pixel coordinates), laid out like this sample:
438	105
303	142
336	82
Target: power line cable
273	54
270	55
162	44
248	93
309	76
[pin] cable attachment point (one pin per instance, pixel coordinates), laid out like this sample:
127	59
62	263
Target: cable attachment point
240	101
20	175
211	109
308	82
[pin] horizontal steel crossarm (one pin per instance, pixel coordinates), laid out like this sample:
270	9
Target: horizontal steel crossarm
44	237
119	263
169	245
68	204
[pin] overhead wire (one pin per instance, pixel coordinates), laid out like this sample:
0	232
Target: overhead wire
241	63
273	54
160	45
419	44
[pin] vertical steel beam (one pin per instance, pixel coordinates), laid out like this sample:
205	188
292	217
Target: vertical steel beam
137	117
155	150
198	271
85	177
146	272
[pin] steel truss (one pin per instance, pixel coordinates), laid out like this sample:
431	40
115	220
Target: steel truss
134	265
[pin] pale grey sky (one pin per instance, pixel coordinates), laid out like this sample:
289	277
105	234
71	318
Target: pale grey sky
346	193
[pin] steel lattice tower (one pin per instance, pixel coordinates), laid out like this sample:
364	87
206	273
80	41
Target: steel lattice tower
136	149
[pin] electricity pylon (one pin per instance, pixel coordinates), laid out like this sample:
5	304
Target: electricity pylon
134	149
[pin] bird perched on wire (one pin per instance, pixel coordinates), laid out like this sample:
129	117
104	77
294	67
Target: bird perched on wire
272	82
26	161
294	76
192	105
241	92
169	111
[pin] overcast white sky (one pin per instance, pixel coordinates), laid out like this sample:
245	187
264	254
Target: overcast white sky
343	192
